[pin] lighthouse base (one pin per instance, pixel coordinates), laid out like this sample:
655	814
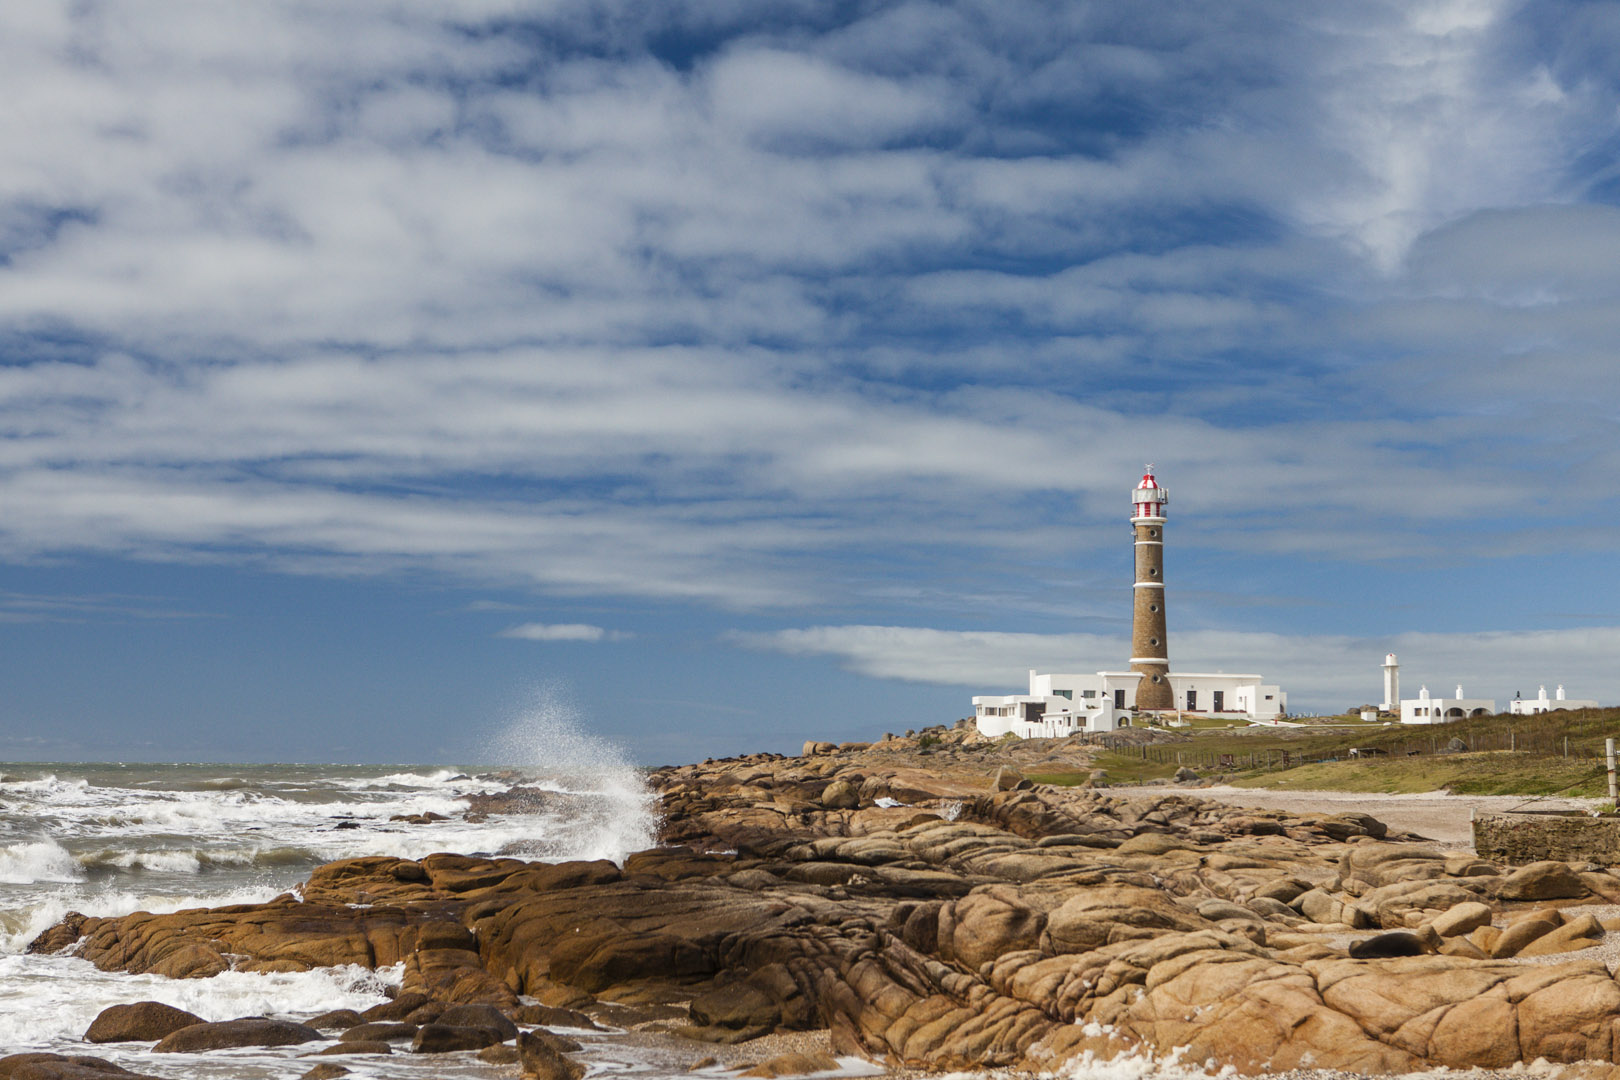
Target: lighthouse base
1153	693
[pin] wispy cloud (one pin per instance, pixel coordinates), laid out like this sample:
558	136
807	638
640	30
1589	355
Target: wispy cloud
1325	672
562	632
772	305
37	607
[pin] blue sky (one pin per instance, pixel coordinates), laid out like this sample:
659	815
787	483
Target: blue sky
374	375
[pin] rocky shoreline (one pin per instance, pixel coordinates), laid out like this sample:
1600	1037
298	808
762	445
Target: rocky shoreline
928	908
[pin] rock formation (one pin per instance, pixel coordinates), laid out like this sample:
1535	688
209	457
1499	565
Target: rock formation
947	917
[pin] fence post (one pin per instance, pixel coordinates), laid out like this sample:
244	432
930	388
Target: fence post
1608	753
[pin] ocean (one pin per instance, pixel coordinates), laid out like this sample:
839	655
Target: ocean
108	839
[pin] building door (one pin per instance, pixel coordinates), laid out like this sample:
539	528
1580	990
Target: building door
1220	699
1192	700
1119	699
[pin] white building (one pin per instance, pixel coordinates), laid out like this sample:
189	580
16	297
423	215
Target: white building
1540	704
1424	709
1058	705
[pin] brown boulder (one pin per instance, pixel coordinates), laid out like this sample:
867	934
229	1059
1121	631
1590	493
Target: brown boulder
1522	933
1461	919
360	1047
1112	913
1007	779
335	1020
554	1016
251	1031
450	1038
1579	933
191	962
63	1067
327	1070
840	795
142	1021
986	923
379	1031
539	1060
792	1065
1548	880
479	1016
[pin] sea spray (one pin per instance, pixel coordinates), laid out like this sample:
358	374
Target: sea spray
546	741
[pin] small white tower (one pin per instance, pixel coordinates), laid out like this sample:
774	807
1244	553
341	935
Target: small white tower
1392	685
1561	692
1459	691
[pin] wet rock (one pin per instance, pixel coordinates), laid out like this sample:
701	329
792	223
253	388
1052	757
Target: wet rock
542	1062
142	1021
499	1054
450	1038
63	1067
397	1009
335	1020
380	1031
250	1031
554	1016
792	1065
479	1016
361	1046
326	1071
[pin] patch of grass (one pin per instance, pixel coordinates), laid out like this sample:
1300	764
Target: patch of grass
1127	768
1061	778
1489	773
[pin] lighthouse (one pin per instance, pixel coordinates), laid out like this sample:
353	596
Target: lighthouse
1150	653
1392	684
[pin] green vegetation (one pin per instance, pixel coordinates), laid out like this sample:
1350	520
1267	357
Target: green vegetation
1551	754
1497	772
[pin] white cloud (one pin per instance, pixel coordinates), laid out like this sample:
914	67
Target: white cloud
562	632
1326	672
346	289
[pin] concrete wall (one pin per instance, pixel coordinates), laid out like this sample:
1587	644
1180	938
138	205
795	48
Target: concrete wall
1517	839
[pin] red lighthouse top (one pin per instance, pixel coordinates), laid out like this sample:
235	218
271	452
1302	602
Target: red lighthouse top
1148	498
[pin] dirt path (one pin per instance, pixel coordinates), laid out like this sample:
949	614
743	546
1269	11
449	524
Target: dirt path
1440	817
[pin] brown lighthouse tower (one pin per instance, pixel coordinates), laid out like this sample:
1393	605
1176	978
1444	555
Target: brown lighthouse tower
1150	653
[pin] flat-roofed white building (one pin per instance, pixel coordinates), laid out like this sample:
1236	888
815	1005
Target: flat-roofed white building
1424	709
1065	704
1541	704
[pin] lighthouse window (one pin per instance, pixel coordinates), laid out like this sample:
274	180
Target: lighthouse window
1155	678
1153	607
1153	532
1153	641
1153	572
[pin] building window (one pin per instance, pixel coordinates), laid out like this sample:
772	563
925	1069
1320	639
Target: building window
1268	697
1064	694
1088	693
1192	699
1119	699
